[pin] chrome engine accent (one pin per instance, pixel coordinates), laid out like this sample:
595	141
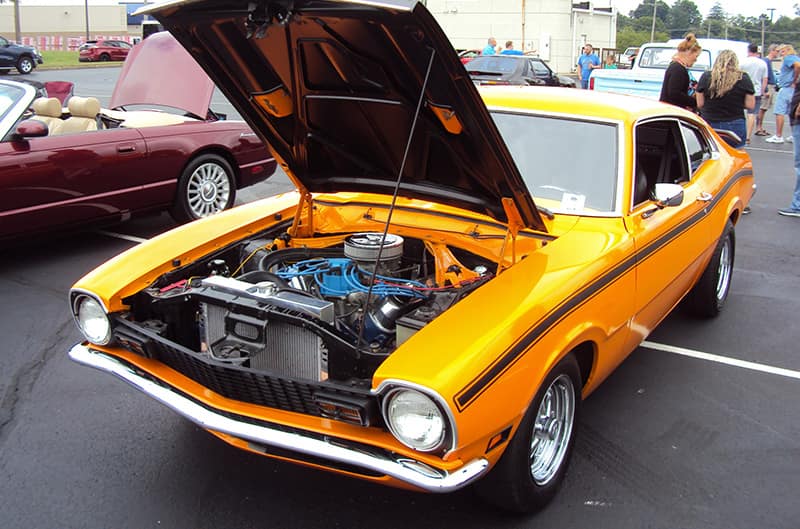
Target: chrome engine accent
364	248
317	308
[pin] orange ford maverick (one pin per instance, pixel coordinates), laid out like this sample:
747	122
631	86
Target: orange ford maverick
454	274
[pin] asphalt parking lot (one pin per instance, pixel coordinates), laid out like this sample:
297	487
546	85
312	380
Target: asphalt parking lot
699	428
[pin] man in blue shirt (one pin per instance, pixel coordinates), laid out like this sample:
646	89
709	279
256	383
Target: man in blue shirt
490	48
787	80
510	49
587	62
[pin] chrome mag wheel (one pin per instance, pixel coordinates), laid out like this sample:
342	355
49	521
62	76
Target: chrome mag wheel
724	270
552	430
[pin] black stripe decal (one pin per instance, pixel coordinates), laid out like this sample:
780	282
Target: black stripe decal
478	385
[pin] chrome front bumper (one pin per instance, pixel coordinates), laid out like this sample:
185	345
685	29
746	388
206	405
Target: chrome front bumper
373	459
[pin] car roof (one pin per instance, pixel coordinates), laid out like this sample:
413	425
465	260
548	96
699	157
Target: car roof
569	101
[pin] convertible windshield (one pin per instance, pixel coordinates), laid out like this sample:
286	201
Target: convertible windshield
8	96
568	165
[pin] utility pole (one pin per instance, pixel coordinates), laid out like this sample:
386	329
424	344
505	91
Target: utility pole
763	49
653	29
17	32
86	4
771	13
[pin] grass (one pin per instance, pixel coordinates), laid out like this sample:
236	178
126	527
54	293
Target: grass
69	59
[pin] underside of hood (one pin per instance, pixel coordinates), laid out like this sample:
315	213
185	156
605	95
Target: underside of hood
337	87
159	71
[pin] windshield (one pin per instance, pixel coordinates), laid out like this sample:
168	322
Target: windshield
659	59
8	96
568	165
493	64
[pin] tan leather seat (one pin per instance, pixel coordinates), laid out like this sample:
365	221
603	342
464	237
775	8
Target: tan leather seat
83	115
48	110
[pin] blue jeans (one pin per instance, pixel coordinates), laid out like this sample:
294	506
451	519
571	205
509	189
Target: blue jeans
739	126
585	83
796	197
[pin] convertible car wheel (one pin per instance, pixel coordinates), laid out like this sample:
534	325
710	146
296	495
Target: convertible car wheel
206	187
709	294
25	65
531	470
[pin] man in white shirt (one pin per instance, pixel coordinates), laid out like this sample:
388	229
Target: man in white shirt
756	68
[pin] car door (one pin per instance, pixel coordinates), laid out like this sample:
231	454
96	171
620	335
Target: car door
72	178
674	242
7	59
122	49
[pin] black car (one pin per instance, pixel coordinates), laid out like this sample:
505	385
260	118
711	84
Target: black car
514	70
23	58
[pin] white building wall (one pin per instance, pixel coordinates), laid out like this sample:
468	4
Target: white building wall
469	23
64	20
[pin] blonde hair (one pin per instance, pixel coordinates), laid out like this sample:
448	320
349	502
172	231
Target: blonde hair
724	74
689	43
788	48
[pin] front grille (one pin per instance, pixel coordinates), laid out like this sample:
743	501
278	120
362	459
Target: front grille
248	385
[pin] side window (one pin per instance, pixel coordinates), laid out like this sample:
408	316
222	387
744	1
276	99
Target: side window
697	147
660	157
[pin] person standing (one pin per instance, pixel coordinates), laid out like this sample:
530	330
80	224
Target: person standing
723	94
587	62
794	119
787	80
678	86
769	94
490	48
509	49
757	70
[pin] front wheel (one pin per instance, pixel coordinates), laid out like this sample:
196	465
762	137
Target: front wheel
25	65
533	466
708	296
105	57
205	187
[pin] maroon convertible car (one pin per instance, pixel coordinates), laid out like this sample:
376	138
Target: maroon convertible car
159	147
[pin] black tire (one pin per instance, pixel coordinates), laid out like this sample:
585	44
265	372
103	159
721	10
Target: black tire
707	297
206	186
25	65
105	57
523	481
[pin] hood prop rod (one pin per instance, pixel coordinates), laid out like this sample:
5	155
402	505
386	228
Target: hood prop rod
394	202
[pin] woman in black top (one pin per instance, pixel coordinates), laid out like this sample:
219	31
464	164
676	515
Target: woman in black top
677	81
723	94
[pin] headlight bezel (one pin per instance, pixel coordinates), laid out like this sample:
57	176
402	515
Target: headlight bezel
77	302
448	438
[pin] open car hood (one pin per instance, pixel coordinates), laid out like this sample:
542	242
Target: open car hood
334	87
159	71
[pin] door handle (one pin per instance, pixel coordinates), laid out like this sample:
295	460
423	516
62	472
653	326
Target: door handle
704	197
125	148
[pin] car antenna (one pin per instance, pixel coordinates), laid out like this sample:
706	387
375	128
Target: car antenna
394	201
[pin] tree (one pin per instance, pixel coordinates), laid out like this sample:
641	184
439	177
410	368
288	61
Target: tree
684	17
645	9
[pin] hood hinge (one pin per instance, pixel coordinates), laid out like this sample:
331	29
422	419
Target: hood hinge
303	224
515	223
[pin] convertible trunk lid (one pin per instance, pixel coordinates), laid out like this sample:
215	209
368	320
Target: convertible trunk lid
335	87
159	71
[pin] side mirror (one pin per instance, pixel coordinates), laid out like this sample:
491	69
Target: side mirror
31	128
665	195
668	195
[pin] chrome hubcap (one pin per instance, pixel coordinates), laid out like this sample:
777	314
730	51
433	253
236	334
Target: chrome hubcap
208	190
552	430
724	270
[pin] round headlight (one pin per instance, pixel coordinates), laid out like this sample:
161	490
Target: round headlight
415	420
92	320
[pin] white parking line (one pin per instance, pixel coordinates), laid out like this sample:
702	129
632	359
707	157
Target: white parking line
767	149
121	236
723	360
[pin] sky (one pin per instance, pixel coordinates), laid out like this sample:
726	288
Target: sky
747	8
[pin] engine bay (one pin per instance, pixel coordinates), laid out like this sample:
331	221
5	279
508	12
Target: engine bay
327	314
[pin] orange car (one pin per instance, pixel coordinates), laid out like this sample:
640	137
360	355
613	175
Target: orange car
455	273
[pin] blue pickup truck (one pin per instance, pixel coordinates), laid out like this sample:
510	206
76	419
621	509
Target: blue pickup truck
646	76
23	58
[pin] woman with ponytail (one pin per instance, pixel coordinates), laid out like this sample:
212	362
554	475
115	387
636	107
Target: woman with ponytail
678	83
